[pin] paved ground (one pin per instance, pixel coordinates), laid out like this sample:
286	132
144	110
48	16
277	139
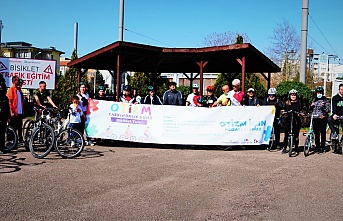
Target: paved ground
171	183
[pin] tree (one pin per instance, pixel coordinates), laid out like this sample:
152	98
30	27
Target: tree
99	81
225	38
67	86
251	81
285	50
140	81
304	92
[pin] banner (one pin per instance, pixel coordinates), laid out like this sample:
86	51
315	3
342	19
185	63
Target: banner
30	70
167	124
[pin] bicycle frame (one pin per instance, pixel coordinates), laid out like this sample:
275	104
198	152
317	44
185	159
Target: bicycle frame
308	145
337	143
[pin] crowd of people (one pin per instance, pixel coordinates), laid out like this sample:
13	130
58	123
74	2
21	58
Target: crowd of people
12	107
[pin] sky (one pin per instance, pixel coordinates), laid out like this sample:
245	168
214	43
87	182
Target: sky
166	23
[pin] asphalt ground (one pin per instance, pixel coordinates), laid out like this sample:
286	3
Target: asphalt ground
125	181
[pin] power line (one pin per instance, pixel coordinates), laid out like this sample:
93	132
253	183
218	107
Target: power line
147	37
323	34
318	44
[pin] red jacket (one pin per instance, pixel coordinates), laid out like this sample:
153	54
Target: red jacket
13	99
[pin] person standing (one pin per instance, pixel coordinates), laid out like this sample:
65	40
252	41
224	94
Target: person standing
83	101
293	103
16	103
321	109
236	95
172	96
222	100
136	98
337	110
209	98
152	98
126	96
42	96
192	97
276	102
4	112
251	99
101	93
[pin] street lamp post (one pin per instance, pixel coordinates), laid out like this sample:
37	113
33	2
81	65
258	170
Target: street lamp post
37	54
328	68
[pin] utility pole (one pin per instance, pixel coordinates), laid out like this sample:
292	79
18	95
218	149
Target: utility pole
304	27
1	26
121	20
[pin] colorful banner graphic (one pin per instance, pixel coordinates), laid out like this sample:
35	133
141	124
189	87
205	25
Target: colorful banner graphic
32	71
180	124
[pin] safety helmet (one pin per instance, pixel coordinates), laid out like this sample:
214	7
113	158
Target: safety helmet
82	83
126	88
210	88
271	90
101	88
320	89
196	86
151	88
293	91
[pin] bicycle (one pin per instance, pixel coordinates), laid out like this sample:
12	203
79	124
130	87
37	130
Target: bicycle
69	141
42	137
337	142
11	138
272	137
308	145
290	137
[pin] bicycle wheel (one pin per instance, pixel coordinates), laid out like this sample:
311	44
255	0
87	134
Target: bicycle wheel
271	140
28	129
69	143
290	144
11	139
340	146
42	141
307	145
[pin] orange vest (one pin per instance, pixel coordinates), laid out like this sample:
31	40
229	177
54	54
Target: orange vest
13	99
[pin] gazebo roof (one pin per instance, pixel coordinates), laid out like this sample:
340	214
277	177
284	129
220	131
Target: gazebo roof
145	58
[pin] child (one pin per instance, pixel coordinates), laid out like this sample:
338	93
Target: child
76	114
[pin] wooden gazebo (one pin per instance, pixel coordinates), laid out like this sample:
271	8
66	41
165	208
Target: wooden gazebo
121	56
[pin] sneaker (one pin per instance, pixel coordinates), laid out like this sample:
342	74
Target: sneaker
72	144
334	136
89	143
284	151
21	143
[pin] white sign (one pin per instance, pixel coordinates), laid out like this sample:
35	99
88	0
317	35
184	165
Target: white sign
180	124
30	70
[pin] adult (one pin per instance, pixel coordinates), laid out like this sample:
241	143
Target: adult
4	112
42	96
321	109
236	95
222	99
272	99
251	99
83	101
16	103
293	103
192	97
337	110
172	96
152	98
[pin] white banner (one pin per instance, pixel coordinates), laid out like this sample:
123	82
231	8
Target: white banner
180	124
30	70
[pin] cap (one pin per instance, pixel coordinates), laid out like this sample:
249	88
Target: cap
251	89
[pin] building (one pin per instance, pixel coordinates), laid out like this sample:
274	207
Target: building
26	50
325	65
